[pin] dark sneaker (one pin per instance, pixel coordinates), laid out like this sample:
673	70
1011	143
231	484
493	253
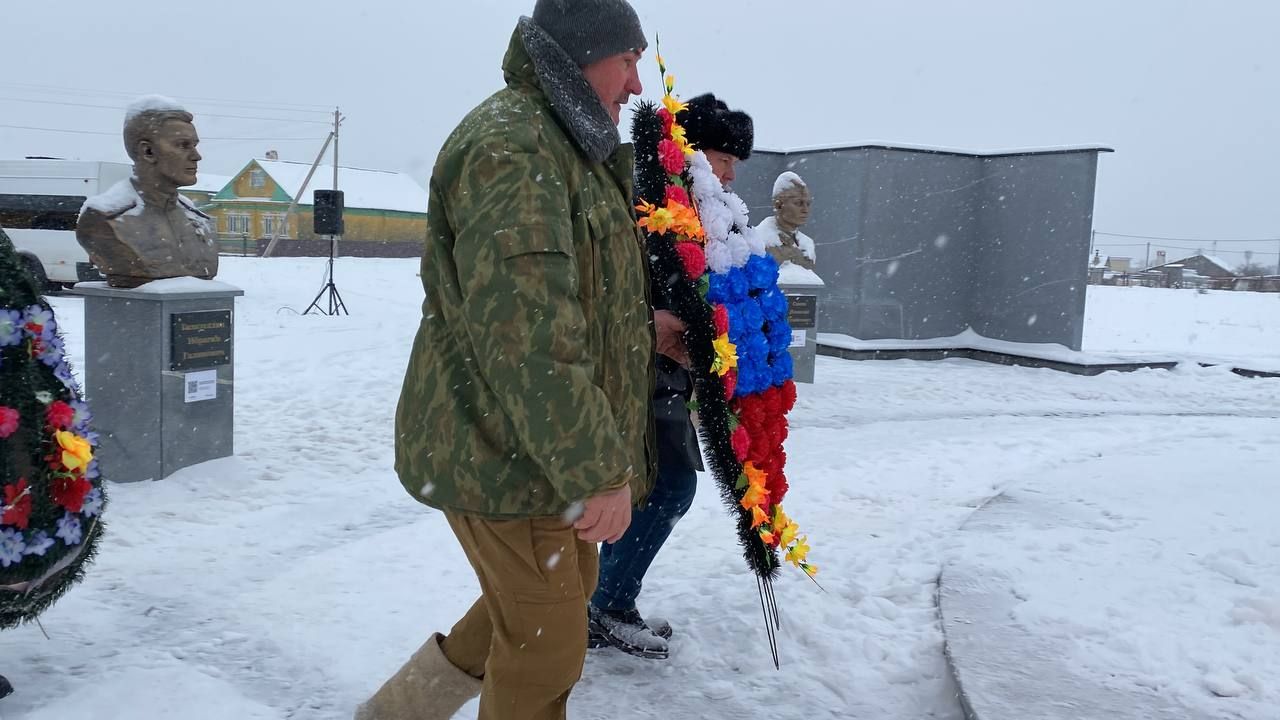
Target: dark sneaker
625	631
659	627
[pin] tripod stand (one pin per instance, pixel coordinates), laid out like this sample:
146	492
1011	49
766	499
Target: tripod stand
335	300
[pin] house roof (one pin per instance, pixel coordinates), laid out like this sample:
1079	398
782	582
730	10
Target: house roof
210	183
1219	262
1211	259
363	189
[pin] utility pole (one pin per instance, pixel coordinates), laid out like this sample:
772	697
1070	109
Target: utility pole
1147	265
271	245
337	121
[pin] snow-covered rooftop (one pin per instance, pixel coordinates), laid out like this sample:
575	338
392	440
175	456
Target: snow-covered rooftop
365	189
208	182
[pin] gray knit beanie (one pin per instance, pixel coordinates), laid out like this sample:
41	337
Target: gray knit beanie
591	30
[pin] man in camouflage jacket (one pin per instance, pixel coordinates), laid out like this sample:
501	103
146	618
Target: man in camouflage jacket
525	413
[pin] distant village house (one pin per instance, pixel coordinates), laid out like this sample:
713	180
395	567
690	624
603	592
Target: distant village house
385	212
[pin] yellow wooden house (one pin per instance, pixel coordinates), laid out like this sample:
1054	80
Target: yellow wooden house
385	212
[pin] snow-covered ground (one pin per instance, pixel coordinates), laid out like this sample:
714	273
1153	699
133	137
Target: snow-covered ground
1151	573
290	580
1216	325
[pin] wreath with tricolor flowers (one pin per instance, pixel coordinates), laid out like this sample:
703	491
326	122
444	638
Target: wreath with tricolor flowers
725	289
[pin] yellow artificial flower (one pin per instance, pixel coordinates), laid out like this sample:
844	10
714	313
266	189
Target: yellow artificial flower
671	82
673	106
798	552
787	534
76	451
659	221
681	139
726	355
808	569
784	527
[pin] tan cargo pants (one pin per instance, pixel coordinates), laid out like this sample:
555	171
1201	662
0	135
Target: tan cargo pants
527	634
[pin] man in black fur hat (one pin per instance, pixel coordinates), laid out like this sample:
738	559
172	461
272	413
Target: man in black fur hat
725	136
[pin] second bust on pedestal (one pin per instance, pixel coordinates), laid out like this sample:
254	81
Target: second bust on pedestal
782	237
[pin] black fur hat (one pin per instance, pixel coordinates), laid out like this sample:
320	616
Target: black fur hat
711	125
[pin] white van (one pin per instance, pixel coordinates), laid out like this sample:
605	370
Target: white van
40	201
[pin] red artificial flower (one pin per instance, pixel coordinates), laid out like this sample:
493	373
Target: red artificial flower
777	485
668	120
671	156
8	421
675	193
788	396
695	261
720	316
69	491
730	380
17	503
772	400
61	415
741	443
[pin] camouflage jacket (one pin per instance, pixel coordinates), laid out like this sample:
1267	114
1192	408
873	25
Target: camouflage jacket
529	382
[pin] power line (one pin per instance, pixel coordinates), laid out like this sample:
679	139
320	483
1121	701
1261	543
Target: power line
288	107
116	107
1195	240
202	139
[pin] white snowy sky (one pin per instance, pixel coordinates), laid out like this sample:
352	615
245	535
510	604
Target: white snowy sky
1184	90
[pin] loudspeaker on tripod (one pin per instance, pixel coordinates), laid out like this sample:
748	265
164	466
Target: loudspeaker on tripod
328	212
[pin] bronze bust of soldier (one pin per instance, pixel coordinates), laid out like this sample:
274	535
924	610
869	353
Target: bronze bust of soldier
791	205
141	229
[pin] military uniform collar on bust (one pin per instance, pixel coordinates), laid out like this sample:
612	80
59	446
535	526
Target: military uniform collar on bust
152	196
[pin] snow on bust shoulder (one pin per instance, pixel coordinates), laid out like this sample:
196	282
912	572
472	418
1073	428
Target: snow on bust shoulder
151	103
118	198
768	231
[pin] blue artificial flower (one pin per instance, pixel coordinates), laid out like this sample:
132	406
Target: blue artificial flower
12	547
63	373
757	348
736	326
42	318
783	368
762	272
10	328
773	303
729	287
779	334
752	317
51	353
738	285
80	423
38	543
748	379
69	529
93	503
718	289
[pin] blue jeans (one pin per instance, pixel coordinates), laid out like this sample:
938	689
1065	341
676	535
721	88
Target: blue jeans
624	563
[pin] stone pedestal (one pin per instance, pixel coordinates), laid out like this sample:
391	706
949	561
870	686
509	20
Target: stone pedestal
803	318
159	374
